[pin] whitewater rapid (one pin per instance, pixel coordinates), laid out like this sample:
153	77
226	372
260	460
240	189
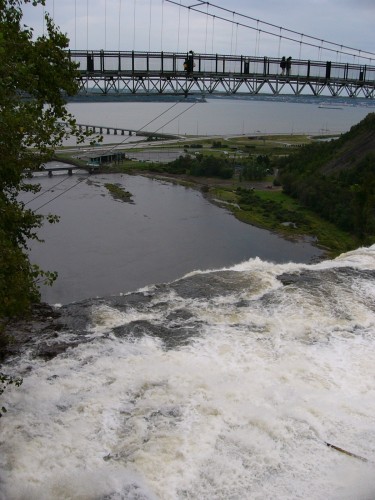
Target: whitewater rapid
225	384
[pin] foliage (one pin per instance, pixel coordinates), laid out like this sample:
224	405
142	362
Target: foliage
202	166
337	179
256	168
248	199
5	381
218	144
35	75
118	192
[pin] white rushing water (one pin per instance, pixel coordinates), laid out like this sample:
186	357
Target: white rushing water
222	385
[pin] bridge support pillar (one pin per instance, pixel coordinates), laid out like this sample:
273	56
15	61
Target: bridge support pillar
108	132
70	172
115	131
50	173
122	132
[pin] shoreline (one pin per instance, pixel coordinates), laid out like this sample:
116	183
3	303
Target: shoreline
206	184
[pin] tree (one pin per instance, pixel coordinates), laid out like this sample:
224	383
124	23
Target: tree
36	75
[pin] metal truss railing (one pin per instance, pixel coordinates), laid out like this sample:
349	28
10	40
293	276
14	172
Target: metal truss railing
184	74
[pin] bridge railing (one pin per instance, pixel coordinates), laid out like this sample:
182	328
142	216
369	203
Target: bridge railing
106	63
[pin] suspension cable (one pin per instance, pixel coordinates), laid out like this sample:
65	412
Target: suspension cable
119	26
146	125
134	3
279	49
205	39
47	190
162	21
149	30
87	25
188	30
213	34
235	47
84	178
105	24
75	24
231	37
60	194
178	29
275	26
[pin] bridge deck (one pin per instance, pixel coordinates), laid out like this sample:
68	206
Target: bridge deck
183	74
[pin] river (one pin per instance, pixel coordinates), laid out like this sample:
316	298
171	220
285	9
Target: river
223	385
223	377
102	246
223	116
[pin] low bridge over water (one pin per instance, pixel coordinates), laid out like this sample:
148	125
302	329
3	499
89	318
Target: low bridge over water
122	131
109	73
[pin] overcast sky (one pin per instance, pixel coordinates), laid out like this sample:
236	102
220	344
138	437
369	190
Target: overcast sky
160	25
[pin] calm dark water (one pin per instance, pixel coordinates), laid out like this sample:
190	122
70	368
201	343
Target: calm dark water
102	246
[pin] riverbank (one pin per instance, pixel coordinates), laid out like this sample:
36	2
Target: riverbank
271	209
268	208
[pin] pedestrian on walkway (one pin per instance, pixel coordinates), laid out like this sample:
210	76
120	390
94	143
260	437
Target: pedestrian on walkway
283	65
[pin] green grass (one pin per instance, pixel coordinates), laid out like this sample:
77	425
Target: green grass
118	192
268	209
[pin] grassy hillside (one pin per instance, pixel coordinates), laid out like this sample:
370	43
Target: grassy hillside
337	179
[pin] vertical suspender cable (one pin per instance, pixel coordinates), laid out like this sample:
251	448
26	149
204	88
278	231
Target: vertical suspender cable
119	25
279	49
162	21
300	47
178	32
75	24
212	41
87	24
149	30
188	29
235	46
134	3
256	39
231	36
320	56
205	40
257	45
105	24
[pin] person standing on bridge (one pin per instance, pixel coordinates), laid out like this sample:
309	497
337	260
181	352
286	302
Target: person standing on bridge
283	65
288	65
189	63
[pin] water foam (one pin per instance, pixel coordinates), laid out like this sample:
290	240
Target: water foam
273	371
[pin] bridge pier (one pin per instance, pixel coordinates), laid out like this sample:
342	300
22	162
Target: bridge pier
50	174
115	131
108	132
70	171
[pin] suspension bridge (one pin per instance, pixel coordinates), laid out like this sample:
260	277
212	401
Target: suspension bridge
109	73
222	62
